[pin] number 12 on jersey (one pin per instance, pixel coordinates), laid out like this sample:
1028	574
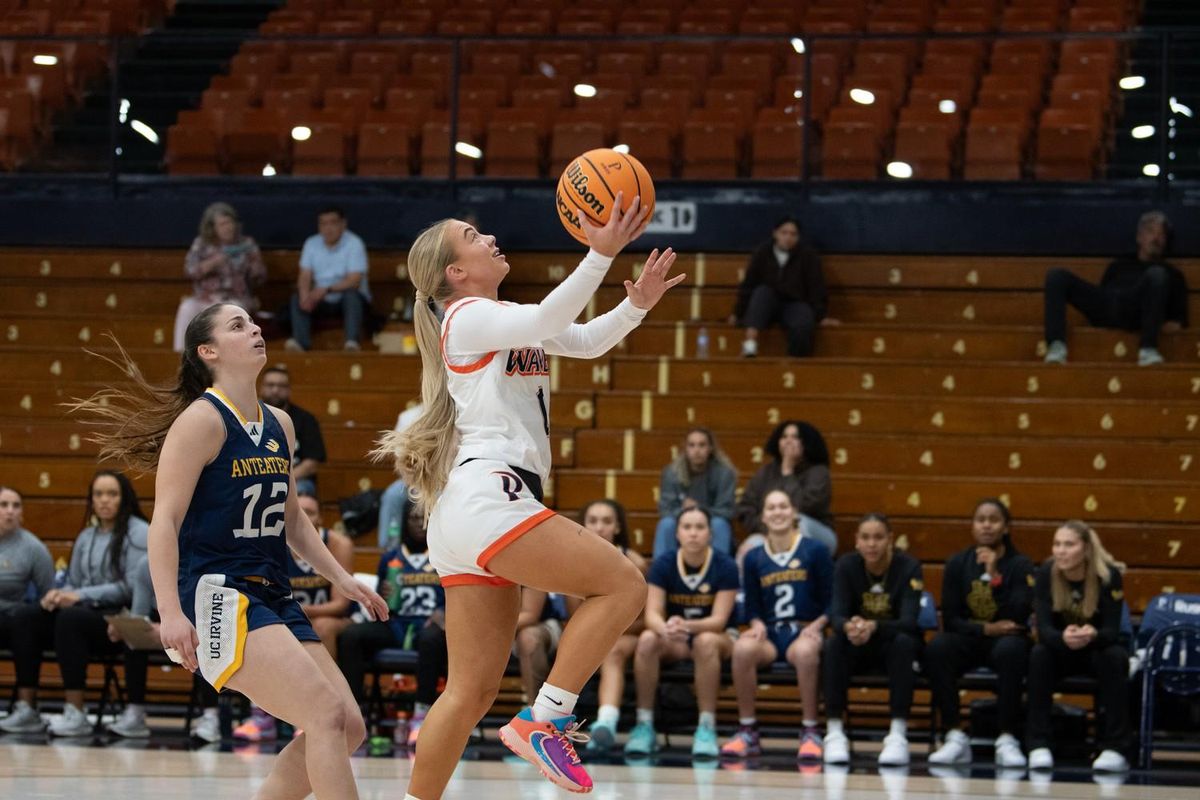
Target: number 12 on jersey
266	525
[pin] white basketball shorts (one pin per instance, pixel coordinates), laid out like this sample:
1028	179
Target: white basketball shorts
485	507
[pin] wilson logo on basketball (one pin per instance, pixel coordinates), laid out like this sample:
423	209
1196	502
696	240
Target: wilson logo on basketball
527	361
579	183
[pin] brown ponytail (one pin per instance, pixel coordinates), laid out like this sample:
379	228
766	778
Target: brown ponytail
131	423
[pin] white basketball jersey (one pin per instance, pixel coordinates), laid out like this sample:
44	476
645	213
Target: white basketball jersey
503	400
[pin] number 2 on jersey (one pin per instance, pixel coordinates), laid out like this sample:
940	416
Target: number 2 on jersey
273	527
785	607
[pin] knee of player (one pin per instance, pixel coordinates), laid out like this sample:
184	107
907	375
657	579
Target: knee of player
904	644
649	643
356	729
326	710
806	652
530	640
706	645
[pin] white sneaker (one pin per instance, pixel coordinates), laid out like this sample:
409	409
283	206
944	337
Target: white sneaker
1008	751
292	346
955	750
749	348
207	728
131	725
73	722
1056	353
1148	357
895	751
1041	758
837	748
23	719
1110	761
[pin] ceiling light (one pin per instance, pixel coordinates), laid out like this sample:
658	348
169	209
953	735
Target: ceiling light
899	169
268	171
1130	82
862	96
1142	132
1180	108
621	148
301	133
1150	170
585	90
45	60
798	45
947	106
145	130
468	150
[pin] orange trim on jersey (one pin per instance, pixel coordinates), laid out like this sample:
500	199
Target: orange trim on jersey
512	535
474	580
463	369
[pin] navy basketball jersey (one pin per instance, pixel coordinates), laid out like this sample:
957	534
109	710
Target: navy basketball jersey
309	587
793	585
418	591
691	594
235	523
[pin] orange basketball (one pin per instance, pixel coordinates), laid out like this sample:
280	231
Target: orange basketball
589	185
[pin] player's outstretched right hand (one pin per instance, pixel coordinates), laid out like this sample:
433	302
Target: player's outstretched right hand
622	228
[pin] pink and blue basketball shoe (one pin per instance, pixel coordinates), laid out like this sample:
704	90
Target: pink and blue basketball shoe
549	746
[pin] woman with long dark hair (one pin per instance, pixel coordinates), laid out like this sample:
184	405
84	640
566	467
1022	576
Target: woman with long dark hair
799	465
225	514
607	519
70	618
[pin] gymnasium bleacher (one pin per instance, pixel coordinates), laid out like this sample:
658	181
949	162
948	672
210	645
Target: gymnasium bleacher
931	394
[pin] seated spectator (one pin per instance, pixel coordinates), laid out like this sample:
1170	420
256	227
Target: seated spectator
325	607
70	620
783	283
539	627
799	465
333	280
987	597
876	600
689	605
225	267
701	476
132	722
395	496
606	519
24	561
786	583
417	601
276	390
1136	293
1078	600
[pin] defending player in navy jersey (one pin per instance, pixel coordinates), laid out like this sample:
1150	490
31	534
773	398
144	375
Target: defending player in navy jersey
787	582
225	512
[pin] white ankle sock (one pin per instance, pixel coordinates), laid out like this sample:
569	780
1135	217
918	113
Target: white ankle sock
553	703
747	722
609	715
410	797
899	726
707	719
809	723
834	726
645	715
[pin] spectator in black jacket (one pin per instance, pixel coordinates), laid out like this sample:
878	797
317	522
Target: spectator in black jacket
987	597
1137	293
276	390
876	600
784	284
1079	598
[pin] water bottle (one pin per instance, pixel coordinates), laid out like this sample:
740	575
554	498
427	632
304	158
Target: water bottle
400	732
60	573
393	534
702	343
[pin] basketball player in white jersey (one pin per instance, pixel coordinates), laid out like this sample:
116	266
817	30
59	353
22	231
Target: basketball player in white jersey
476	460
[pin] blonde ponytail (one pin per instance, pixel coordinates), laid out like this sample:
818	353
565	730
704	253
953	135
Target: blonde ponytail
424	451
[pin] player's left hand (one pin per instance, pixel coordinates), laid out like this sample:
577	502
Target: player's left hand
653	283
374	605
